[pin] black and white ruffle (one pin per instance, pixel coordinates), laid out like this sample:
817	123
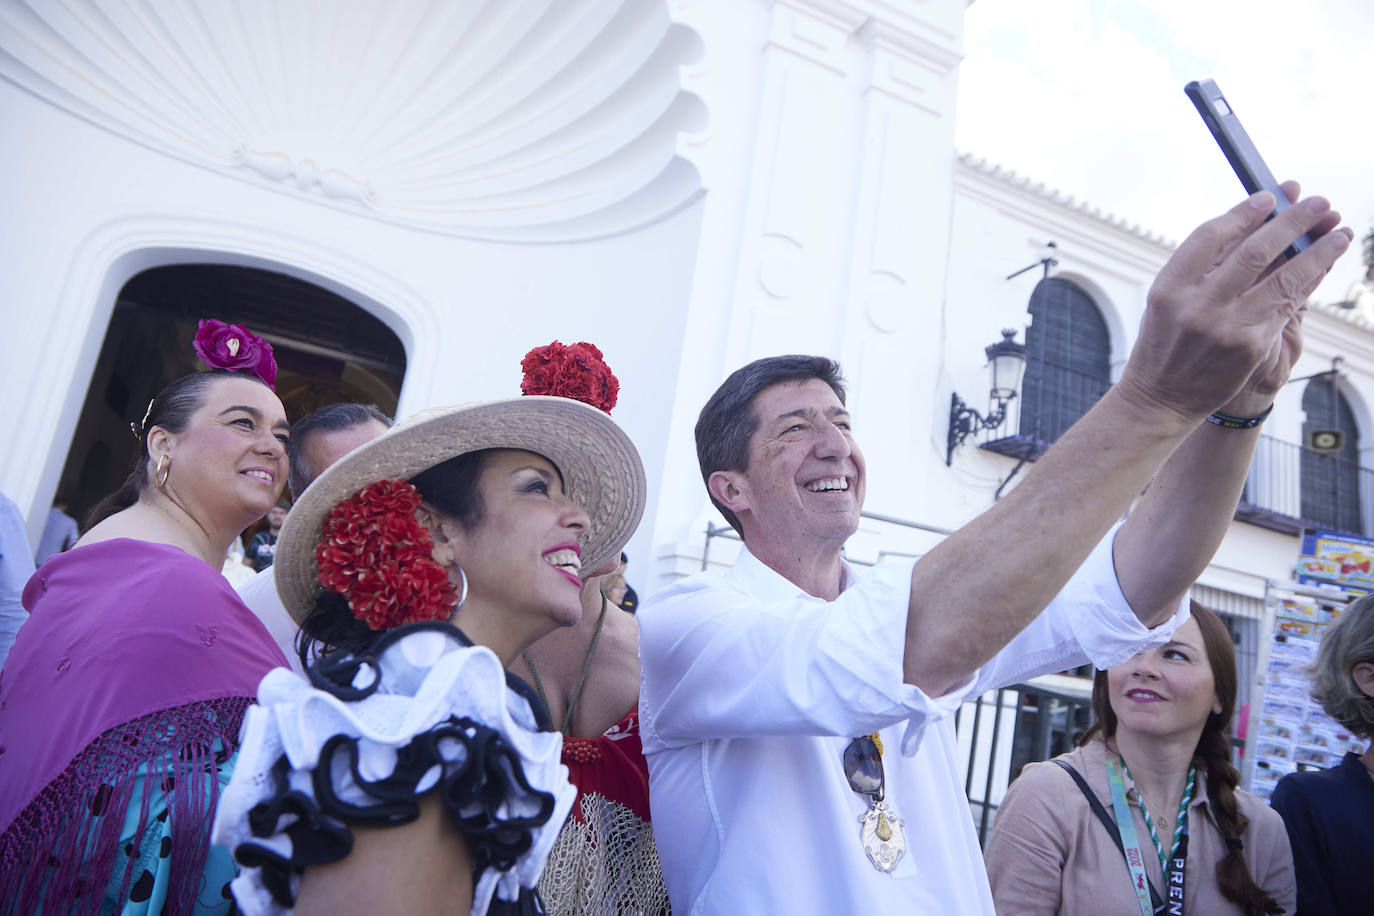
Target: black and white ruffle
365	738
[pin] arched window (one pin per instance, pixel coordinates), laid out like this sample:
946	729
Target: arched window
1330	480
1068	360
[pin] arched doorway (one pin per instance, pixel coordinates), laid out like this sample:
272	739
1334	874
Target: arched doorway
327	349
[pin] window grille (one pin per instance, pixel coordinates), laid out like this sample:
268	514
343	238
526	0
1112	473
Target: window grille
1068	360
1331	480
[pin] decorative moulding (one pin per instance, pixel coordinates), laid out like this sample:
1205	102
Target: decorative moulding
518	120
981	166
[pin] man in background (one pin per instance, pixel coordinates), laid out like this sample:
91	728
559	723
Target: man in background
318	439
59	533
16	566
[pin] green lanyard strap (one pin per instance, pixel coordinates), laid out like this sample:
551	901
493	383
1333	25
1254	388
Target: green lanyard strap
1130	843
1180	824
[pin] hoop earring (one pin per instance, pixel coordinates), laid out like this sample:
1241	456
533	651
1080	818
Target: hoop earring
164	467
464	596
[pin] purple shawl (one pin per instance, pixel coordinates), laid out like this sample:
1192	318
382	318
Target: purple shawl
134	653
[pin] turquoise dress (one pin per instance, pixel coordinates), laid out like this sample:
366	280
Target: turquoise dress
151	871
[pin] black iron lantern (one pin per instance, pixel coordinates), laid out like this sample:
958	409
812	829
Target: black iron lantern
1008	361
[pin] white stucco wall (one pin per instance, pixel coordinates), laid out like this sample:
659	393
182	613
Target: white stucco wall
775	177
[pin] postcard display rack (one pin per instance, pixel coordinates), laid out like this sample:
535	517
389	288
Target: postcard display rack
1287	730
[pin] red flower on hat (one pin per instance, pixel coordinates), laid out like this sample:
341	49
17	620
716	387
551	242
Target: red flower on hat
378	557
233	347
576	371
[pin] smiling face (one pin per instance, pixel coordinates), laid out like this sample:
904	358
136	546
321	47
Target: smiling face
805	479
521	556
228	465
1165	691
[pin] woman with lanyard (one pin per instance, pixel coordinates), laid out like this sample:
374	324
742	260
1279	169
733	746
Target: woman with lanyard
1144	816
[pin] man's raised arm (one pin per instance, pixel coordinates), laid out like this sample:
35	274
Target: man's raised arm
1220	330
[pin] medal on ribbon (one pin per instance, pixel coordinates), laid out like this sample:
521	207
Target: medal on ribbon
880	830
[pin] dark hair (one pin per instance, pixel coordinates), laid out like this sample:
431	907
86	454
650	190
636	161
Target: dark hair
171	410
451	487
328	419
729	419
1346	643
1212	757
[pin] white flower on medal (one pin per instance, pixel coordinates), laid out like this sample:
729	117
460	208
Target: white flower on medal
881	833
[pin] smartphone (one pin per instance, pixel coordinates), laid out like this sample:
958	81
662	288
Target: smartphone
1239	149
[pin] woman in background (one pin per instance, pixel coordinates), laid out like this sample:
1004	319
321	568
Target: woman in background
1330	813
605	859
1158	789
121	702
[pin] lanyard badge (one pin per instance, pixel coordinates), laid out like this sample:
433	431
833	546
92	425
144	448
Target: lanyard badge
1129	841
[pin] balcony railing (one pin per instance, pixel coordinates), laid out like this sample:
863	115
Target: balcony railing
1290	488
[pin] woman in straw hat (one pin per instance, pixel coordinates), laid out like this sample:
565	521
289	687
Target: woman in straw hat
410	774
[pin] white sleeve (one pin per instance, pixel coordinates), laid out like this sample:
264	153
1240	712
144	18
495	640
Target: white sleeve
1088	621
717	663
16	566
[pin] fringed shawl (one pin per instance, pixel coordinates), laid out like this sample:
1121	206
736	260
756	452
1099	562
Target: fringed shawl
135	654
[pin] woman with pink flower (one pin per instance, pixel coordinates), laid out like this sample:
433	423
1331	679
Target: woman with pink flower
121	702
409	773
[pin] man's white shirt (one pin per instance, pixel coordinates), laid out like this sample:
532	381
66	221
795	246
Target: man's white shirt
750	691
260	594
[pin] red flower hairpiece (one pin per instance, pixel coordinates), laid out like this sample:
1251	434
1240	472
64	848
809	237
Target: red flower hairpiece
575	371
378	557
231	346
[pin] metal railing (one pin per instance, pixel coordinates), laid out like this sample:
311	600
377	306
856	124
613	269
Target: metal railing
1005	729
1054	399
714	531
1290	488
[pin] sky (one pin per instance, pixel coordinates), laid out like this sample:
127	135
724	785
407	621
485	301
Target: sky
1087	97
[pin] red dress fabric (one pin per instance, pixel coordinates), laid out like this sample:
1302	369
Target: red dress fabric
605	860
612	765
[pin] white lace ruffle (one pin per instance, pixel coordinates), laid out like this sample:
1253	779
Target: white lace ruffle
426	677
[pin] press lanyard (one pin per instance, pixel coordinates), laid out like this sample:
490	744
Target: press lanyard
1129	842
1135	862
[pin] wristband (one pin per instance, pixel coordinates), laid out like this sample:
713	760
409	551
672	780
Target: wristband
1229	422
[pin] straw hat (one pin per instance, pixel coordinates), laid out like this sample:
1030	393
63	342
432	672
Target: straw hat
601	471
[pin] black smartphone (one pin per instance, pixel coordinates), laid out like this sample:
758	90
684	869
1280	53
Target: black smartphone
1239	149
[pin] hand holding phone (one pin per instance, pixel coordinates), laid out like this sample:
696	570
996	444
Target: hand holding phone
1239	149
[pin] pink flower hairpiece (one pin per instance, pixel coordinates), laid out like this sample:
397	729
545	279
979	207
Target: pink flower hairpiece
575	371
232	347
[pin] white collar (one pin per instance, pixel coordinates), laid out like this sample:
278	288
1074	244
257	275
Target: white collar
767	584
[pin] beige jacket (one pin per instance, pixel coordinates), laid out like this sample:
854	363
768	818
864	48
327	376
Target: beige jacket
1048	853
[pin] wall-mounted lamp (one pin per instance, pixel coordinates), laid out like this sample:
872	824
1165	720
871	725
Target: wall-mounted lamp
1048	259
1008	361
